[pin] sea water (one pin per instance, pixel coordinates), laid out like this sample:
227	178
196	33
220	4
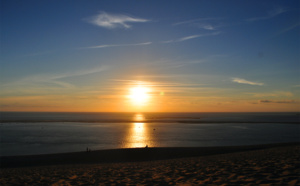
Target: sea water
24	133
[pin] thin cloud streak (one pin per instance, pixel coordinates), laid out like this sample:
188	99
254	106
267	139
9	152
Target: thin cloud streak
196	20
278	101
55	79
120	45
79	72
207	26
157	84
112	21
155	87
243	81
191	37
270	15
273	94
287	29
171	63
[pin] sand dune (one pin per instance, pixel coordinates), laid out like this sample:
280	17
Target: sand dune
277	164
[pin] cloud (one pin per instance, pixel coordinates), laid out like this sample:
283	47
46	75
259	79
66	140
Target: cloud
121	45
79	72
271	14
209	24
191	37
111	21
243	81
273	94
54	79
165	63
287	29
276	101
196	20
178	62
168	87
158	84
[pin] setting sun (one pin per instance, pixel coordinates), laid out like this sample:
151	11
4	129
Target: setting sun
125	93
139	95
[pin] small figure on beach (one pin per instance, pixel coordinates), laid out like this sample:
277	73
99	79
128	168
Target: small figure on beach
87	149
146	146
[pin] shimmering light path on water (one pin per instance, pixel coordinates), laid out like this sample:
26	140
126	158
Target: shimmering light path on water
53	137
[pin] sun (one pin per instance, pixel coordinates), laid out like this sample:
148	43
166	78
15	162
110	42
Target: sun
139	95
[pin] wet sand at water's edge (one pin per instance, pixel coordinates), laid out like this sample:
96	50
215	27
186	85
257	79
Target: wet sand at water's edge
274	164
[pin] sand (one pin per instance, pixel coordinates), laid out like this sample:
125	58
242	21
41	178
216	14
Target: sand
277	164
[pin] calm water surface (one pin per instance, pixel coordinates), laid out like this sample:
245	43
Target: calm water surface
40	133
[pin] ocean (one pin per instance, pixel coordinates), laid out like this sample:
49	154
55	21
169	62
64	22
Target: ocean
27	133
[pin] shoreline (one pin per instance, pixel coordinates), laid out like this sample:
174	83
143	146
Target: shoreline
128	155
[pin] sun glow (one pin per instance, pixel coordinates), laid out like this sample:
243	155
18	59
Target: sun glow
139	95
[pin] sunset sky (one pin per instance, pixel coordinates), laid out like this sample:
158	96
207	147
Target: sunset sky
150	56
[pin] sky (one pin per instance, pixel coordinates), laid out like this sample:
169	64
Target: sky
150	56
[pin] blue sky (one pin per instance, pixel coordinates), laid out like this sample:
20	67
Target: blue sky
204	55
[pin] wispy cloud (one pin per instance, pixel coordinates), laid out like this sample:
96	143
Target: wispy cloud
149	43
53	78
278	101
160	85
287	29
207	26
78	72
178	63
165	63
191	37
203	23
120	45
271	14
196	21
273	94
111	21
243	81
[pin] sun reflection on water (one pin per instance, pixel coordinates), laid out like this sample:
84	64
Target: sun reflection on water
138	134
139	117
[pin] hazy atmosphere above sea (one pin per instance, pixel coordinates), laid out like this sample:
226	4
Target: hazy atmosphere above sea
150	56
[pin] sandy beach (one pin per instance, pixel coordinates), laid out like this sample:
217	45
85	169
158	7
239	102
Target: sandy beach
275	164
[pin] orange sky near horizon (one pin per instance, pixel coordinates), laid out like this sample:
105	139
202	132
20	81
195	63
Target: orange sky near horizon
144	97
150	56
